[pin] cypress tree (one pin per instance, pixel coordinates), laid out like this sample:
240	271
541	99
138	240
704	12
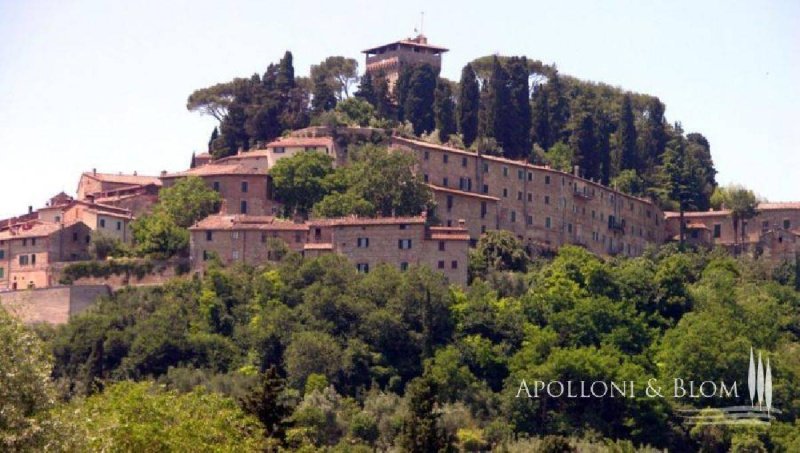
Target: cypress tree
484	128
627	137
418	102
401	90
366	89
444	110
468	105
559	109
603	131
421	431
284	80
499	115
540	117
654	134
384	107
584	142
214	135
519	122
324	98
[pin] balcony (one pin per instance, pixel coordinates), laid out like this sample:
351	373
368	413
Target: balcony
616	225
582	194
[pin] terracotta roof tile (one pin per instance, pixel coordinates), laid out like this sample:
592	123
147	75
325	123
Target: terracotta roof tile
33	229
318	246
462	193
364	221
123	179
240	222
219	168
779	205
301	141
449	237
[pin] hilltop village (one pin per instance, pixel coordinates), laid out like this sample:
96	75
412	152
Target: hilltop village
474	193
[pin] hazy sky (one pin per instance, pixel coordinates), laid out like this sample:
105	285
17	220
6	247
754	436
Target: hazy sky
103	84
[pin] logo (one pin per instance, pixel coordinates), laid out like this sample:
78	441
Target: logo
760	411
759	386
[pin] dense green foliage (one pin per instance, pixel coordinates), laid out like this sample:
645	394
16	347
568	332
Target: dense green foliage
512	106
163	233
131	416
25	387
324	357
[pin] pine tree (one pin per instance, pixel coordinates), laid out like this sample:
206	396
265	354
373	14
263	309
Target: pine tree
520	119
444	110
468	105
540	117
629	160
192	163
418	102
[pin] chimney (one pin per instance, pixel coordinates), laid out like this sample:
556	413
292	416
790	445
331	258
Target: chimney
30	209
94	171
576	170
163	173
134	173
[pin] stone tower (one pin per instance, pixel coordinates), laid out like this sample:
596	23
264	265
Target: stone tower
390	58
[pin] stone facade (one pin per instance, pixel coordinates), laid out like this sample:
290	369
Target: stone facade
366	242
772	232
242	239
27	252
389	59
543	207
94	182
243	184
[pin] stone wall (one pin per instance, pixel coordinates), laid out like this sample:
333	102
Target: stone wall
51	305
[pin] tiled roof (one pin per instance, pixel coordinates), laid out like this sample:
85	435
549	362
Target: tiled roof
301	141
444	233
219	168
449	237
318	246
697	214
412	42
243	222
779	205
364	221
123	179
462	193
696	226
245	155
5	223
33	229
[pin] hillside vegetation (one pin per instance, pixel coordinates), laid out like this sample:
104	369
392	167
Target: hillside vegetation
308	354
511	106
